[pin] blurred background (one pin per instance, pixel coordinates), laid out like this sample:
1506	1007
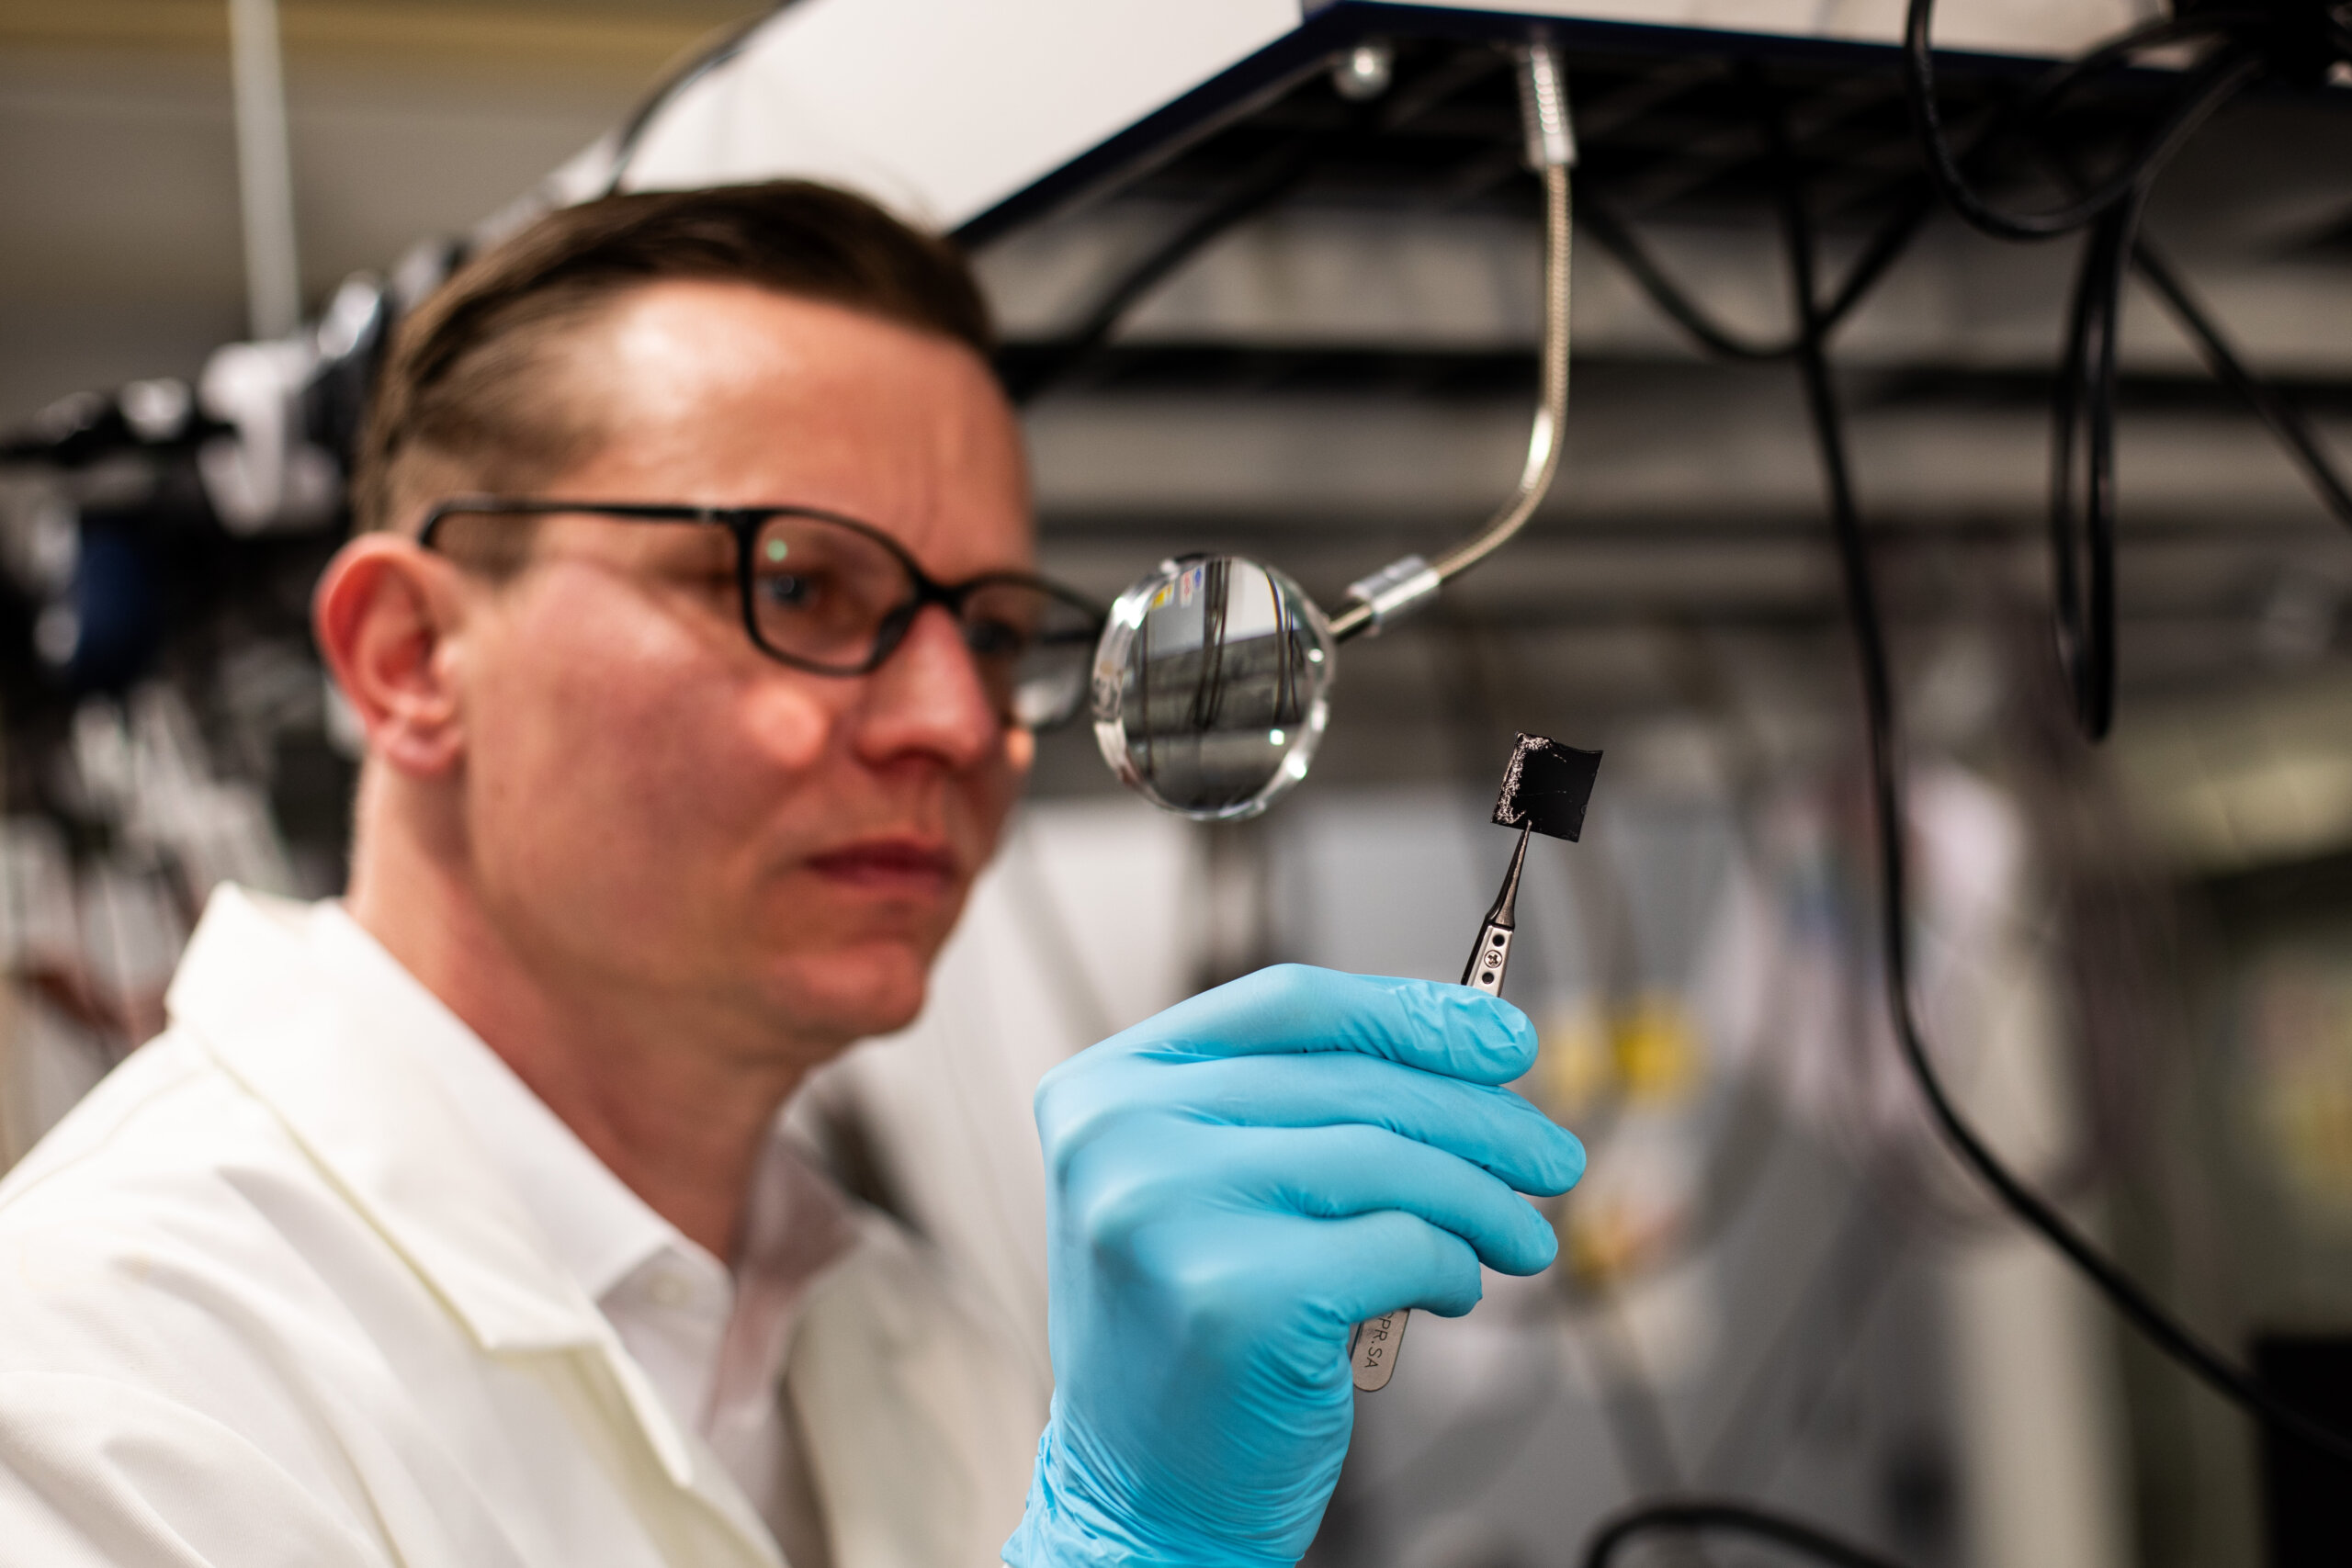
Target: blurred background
2137	957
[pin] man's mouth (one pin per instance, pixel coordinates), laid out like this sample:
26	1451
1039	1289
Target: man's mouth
908	866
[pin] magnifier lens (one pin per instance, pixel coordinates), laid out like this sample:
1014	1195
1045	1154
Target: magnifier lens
1210	686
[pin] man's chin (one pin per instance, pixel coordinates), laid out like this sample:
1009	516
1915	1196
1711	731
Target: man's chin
856	992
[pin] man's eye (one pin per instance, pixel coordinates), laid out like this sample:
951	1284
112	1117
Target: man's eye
996	639
790	589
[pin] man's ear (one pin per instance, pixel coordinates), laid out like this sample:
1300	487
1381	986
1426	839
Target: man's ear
385	615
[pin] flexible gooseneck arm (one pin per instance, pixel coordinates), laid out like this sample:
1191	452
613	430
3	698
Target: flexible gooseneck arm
1403	586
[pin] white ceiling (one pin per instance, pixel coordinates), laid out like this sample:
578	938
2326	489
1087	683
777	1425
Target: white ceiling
117	184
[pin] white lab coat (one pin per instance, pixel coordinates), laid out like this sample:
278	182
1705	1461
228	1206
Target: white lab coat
262	1301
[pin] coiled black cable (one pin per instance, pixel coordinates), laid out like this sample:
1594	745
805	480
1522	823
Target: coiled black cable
2213	85
2083	514
2167	1333
2083	496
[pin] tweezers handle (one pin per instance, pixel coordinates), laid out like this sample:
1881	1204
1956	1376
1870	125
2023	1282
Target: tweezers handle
1372	1349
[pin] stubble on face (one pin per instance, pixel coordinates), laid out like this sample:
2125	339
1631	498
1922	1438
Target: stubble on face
662	815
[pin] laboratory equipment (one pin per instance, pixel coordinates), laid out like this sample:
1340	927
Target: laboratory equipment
1210	677
1546	789
1209	686
1205	80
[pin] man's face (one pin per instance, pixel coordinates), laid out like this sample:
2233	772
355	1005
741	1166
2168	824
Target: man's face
651	803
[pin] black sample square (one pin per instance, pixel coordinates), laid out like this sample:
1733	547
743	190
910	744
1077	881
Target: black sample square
1546	787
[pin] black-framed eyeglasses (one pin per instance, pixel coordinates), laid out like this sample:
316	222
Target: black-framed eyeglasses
834	596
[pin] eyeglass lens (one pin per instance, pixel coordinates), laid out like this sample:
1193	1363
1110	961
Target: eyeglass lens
827	595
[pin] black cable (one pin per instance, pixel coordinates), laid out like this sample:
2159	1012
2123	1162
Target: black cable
2084	405
2083	498
2168	1333
1685	1516
2061	79
1272	179
2084	410
2212	85
1600	220
1613	235
1884	249
2082	515
2286	421
1634	1414
1208	684
667	91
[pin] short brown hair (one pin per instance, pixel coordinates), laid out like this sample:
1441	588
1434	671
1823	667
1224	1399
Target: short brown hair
465	382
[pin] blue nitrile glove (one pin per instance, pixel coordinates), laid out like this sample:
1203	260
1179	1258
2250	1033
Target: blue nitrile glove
1232	1185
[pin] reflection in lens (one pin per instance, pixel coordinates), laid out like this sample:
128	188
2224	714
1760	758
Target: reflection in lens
1044	643
1210	686
820	590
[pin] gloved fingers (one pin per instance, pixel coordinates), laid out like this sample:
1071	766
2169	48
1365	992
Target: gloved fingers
1170	1203
1241	1289
1327	1173
1360	1268
1451	1030
1490	1127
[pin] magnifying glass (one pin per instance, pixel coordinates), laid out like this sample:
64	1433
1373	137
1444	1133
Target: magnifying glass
1211	685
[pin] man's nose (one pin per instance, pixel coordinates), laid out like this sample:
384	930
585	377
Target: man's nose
928	697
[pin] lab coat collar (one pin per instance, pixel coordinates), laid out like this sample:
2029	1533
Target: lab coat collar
596	1228
320	1046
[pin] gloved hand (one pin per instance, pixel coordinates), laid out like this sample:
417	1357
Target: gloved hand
1233	1185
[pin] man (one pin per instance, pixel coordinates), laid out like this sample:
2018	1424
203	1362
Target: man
691	624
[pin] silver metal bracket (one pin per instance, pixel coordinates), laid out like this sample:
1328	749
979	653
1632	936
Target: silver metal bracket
1396	590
